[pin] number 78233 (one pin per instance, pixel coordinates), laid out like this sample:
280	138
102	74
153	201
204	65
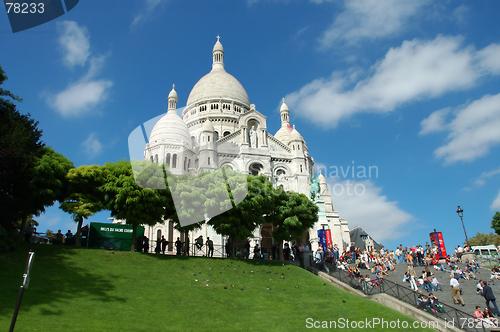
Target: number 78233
25	8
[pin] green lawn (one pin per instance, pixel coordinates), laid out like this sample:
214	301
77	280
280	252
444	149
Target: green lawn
99	290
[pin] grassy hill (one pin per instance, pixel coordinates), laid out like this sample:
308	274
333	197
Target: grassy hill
99	290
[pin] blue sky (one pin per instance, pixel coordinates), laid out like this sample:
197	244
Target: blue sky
408	88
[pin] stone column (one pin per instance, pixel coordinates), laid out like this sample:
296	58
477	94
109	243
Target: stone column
245	135
263	138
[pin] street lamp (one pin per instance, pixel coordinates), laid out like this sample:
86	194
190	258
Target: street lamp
460	213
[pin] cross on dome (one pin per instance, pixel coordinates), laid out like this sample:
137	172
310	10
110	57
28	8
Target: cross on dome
218	37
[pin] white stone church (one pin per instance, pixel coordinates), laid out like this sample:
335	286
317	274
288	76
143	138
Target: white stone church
220	128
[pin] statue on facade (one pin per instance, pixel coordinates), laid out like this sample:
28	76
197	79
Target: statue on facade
253	137
315	189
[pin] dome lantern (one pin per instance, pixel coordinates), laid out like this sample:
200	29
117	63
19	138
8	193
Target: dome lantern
218	55
218	84
285	114
172	99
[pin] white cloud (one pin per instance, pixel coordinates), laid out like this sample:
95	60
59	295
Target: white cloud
496	203
460	13
414	71
80	97
472	132
91	146
481	180
147	9
368	19
435	122
74	40
489	59
379	217
87	92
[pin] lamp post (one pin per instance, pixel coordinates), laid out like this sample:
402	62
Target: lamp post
460	213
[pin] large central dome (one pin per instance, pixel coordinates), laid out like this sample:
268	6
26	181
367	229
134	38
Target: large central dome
218	84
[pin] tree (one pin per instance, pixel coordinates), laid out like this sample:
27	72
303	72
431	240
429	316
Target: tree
133	201
483	239
292	215
85	194
20	144
48	183
495	223
240	221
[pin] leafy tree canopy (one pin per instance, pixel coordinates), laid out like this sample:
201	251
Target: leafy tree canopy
483	239
85	194
495	223
129	201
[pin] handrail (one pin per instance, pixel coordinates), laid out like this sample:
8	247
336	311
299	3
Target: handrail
459	318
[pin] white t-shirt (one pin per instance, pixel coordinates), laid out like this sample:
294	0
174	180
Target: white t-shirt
454	282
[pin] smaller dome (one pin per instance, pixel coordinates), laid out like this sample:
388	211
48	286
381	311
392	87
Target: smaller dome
173	93
295	135
207	126
170	129
283	134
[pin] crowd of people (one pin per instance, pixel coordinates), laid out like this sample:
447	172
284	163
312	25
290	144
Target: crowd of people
381	262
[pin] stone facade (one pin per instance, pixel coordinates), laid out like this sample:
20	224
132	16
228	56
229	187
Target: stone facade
220	128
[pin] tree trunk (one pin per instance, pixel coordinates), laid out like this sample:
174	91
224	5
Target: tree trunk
232	250
78	231
134	236
186	243
280	250
23	228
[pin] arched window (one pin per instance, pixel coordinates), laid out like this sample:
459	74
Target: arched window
208	161
174	161
185	162
227	133
158	234
189	163
293	146
167	160
151	159
216	135
156	158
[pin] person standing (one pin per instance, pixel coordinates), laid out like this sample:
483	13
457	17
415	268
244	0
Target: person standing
489	297
146	244
228	249
186	248
178	246
69	238
412	275
210	246
256	251
158	246
59	237
455	291
164	244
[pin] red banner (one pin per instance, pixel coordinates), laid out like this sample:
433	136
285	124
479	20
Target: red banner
328	234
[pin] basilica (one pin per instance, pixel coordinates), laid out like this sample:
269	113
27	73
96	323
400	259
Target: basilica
219	127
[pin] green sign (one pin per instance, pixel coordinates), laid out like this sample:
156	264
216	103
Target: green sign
112	236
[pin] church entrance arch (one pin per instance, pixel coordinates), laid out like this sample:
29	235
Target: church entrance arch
255	168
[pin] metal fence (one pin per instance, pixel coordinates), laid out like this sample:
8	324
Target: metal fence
451	315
